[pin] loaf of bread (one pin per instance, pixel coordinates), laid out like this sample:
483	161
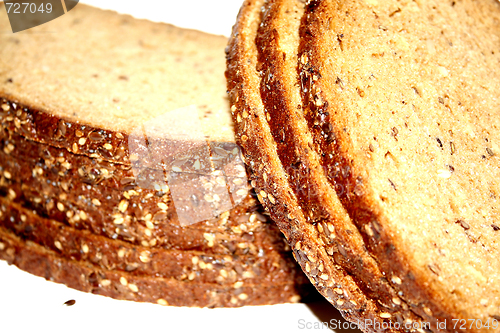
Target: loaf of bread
371	129
119	173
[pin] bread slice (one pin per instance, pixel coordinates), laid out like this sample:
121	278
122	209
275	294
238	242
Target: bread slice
326	144
195	266
61	191
101	123
86	277
108	73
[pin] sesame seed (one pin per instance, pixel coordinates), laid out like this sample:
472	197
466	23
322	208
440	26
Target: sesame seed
23	218
243	296
144	257
133	287
244	138
162	206
122	206
150	225
385	315
396	280
444	173
2	246
238	284
338	291
12	194
202	265
75	147
82	141
85	248
145	243
107	146
96	202
427	311
7	174
223	273
340	302
191	276
121	253
58	245
5	107
396	300
148	232
118	220
123	281
105	283
323	277
263	194
241	192
271	198
233	300
60	206
295	299
161	301
308	267
83	215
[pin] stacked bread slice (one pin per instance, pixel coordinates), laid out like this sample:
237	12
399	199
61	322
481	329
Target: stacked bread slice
372	132
119	174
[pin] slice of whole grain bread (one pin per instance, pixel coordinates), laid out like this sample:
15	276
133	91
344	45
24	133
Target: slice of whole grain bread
102	115
379	120
85	276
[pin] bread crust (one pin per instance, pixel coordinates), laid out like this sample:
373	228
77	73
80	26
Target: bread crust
87	277
49	192
184	265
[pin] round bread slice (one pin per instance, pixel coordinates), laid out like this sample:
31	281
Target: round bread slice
363	138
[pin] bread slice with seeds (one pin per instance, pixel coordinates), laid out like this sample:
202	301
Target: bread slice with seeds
107	74
61	192
350	116
85	276
194	266
85	166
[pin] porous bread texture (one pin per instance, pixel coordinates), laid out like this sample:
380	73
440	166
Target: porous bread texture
418	63
411	97
85	276
114	72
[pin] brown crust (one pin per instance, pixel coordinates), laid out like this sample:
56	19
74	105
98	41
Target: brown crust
86	277
58	184
272	267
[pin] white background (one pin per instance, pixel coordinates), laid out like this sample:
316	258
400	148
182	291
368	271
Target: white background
31	304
